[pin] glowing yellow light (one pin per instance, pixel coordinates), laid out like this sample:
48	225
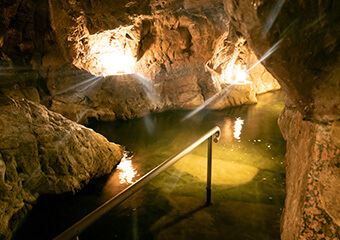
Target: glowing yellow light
126	171
224	172
238	128
235	75
107	53
116	63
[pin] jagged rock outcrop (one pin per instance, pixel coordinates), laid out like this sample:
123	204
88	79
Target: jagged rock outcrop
170	41
42	152
313	178
299	43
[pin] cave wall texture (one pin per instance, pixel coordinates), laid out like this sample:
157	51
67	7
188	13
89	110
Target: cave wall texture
173	40
306	63
44	153
43	47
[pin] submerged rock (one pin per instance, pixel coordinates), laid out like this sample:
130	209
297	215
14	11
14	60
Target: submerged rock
41	152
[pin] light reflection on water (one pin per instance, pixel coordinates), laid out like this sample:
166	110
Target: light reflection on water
238	127
248	178
126	170
247	165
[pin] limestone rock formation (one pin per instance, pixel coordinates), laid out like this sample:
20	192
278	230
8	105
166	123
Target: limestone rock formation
170	43
313	178
41	152
299	45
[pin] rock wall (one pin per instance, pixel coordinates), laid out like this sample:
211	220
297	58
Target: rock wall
299	45
171	41
173	44
42	152
311	210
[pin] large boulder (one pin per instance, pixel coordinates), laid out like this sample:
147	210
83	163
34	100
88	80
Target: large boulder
42	152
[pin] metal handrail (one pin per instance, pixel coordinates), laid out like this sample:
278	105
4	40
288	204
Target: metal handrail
78	227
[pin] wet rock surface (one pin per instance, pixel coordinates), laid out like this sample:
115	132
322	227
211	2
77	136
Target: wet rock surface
313	177
171	40
41	152
172	44
303	44
300	45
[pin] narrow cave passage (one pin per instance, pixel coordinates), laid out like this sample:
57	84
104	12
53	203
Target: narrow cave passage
248	179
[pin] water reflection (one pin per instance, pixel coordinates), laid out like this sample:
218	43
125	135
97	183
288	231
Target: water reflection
238	128
126	170
232	128
126	173
248	178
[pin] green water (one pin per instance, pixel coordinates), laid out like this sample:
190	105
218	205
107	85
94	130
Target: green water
247	186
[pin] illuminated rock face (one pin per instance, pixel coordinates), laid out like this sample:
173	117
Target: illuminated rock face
306	62
41	152
172	41
168	43
307	65
313	178
171	44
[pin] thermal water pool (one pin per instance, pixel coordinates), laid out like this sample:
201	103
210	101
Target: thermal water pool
248	179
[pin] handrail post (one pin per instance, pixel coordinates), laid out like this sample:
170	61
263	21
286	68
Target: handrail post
77	228
209	157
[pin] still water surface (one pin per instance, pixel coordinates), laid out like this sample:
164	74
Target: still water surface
248	180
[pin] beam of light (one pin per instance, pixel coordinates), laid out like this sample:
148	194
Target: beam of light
149	88
126	170
238	128
116	62
170	184
150	127
82	85
82	114
86	87
267	54
72	127
274	12
200	108
230	173
107	53
235	75
222	94
12	70
319	19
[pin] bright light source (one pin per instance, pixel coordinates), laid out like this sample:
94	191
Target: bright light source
238	127
107	53
126	171
225	65
235	75
116	63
